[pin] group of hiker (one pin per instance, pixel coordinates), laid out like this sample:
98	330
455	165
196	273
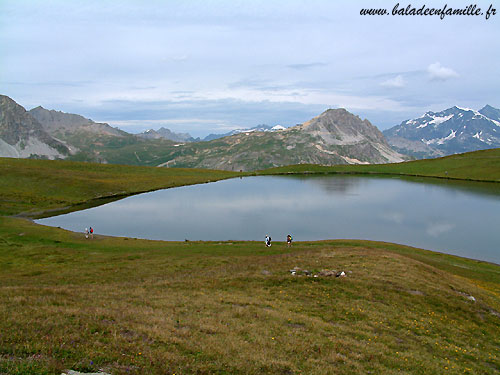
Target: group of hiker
288	241
89	232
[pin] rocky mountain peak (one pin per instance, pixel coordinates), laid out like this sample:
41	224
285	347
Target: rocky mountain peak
21	135
61	124
340	126
490	112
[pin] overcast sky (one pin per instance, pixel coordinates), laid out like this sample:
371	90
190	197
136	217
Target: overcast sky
211	66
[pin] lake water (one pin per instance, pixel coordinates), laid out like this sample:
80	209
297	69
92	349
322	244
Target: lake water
456	218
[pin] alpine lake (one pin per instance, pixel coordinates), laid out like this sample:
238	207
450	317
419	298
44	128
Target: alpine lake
455	217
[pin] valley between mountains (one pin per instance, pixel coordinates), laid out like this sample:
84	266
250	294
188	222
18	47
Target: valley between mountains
334	137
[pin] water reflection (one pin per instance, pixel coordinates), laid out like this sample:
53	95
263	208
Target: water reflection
339	185
347	184
440	216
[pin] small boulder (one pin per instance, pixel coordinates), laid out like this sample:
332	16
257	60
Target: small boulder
328	273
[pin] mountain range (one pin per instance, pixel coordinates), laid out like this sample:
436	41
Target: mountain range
164	133
186	137
334	137
454	130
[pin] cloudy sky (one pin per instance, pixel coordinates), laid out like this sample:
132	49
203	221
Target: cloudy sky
211	66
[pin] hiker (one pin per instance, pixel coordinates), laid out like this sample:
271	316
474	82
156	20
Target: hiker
91	233
289	241
268	241
86	233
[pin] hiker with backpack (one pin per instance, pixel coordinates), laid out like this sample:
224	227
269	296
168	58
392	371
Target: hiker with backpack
289	240
268	241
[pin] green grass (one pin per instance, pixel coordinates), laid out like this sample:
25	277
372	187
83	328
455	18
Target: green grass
477	166
31	186
132	306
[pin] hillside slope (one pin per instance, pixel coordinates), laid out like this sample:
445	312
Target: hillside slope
481	165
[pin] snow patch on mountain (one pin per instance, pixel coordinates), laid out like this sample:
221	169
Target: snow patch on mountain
440	141
464	109
478	136
439	120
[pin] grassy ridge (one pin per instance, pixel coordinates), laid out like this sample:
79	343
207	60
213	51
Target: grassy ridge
478	166
149	307
35	185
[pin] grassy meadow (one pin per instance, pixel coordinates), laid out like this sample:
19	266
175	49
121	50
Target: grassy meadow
130	306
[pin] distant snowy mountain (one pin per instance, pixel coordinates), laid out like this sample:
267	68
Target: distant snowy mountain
454	130
186	137
258	128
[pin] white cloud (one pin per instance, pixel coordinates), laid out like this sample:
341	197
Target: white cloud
396	82
440	73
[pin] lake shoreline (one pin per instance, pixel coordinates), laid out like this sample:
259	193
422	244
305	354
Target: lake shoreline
446	217
95	202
